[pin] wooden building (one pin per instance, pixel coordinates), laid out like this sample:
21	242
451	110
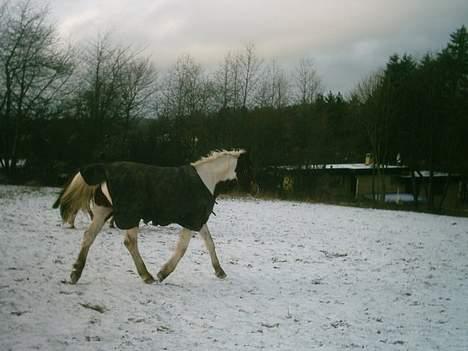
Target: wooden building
331	181
362	181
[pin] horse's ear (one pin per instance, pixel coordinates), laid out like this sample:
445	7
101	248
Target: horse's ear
243	160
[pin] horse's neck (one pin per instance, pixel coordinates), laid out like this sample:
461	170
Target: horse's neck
215	171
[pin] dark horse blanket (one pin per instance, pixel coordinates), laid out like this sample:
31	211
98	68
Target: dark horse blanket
162	195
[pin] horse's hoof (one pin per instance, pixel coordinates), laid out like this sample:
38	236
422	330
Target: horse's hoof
74	277
220	274
162	276
149	280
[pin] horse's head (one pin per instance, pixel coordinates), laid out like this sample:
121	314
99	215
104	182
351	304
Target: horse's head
220	170
245	174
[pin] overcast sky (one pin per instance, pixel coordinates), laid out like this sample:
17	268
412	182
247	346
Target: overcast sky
347	39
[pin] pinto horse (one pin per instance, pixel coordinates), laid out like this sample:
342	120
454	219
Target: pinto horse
131	192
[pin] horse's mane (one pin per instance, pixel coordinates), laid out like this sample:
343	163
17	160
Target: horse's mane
213	155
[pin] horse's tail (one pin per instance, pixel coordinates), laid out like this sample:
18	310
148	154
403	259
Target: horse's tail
67	184
75	196
57	202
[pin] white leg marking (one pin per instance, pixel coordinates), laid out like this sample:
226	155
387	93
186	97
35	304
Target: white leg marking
210	246
100	213
131	242
184	239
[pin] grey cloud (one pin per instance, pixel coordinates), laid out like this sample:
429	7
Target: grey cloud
347	39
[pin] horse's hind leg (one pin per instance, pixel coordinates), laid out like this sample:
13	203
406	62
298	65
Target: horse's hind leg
205	234
72	219
99	218
184	239
131	243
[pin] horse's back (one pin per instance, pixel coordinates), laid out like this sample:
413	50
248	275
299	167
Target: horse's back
162	195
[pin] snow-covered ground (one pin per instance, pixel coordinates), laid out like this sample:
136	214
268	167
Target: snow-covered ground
300	277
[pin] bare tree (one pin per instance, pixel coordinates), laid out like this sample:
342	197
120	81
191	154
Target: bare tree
227	82
222	79
371	96
307	82
237	78
115	82
273	89
186	89
100	79
115	86
368	87
35	68
138	89
250	68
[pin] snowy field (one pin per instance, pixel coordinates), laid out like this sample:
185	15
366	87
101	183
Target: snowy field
300	277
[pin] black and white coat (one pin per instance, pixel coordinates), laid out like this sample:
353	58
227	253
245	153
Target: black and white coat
161	195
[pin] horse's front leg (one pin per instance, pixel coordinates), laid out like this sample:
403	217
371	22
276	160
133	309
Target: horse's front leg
205	234
184	238
131	243
99	218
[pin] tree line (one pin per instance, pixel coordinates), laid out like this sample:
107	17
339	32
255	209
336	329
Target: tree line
62	106
418	108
